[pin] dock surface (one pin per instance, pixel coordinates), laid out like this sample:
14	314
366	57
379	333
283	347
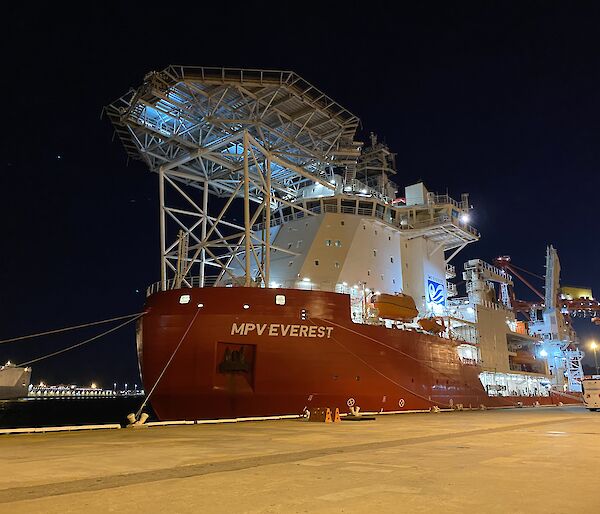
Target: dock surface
530	460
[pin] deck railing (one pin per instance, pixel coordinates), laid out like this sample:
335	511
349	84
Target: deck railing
383	215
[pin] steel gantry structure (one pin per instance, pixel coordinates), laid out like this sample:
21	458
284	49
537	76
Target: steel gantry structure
228	144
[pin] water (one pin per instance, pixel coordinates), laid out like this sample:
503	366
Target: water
52	412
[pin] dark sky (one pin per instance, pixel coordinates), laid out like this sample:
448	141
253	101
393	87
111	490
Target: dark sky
500	99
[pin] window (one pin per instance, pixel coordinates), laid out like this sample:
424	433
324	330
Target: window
342	223
376	232
393	281
290	263
299	244
338	243
364	227
327	242
316	262
392	260
289	245
369	272
389	238
184	298
374	253
336	264
280	299
381	276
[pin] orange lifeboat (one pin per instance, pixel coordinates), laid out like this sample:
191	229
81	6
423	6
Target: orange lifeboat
400	307
524	357
435	325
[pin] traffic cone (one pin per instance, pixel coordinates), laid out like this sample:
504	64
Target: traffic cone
328	416
336	418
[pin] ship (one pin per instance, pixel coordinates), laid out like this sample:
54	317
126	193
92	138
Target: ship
14	381
294	277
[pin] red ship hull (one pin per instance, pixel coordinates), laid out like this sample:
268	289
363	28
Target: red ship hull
228	360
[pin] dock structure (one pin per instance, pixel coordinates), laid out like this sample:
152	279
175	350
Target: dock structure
423	462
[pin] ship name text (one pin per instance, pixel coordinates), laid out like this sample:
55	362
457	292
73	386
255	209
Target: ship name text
277	329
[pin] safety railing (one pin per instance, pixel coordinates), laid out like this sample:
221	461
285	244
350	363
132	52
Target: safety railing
381	214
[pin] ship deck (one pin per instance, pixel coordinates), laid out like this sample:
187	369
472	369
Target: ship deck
521	460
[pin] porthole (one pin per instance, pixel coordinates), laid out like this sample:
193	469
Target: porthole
280	299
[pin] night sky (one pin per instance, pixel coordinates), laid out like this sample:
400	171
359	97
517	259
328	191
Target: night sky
500	99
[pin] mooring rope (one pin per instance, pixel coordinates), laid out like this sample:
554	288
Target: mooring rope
65	329
422	363
82	342
414	393
137	414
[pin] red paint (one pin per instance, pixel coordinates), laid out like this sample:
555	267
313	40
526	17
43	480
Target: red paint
377	368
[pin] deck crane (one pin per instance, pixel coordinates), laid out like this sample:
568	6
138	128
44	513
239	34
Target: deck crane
550	317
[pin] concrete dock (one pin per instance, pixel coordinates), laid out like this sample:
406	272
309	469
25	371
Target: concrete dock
530	460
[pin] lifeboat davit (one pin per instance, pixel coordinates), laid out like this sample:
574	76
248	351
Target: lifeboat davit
399	307
435	325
